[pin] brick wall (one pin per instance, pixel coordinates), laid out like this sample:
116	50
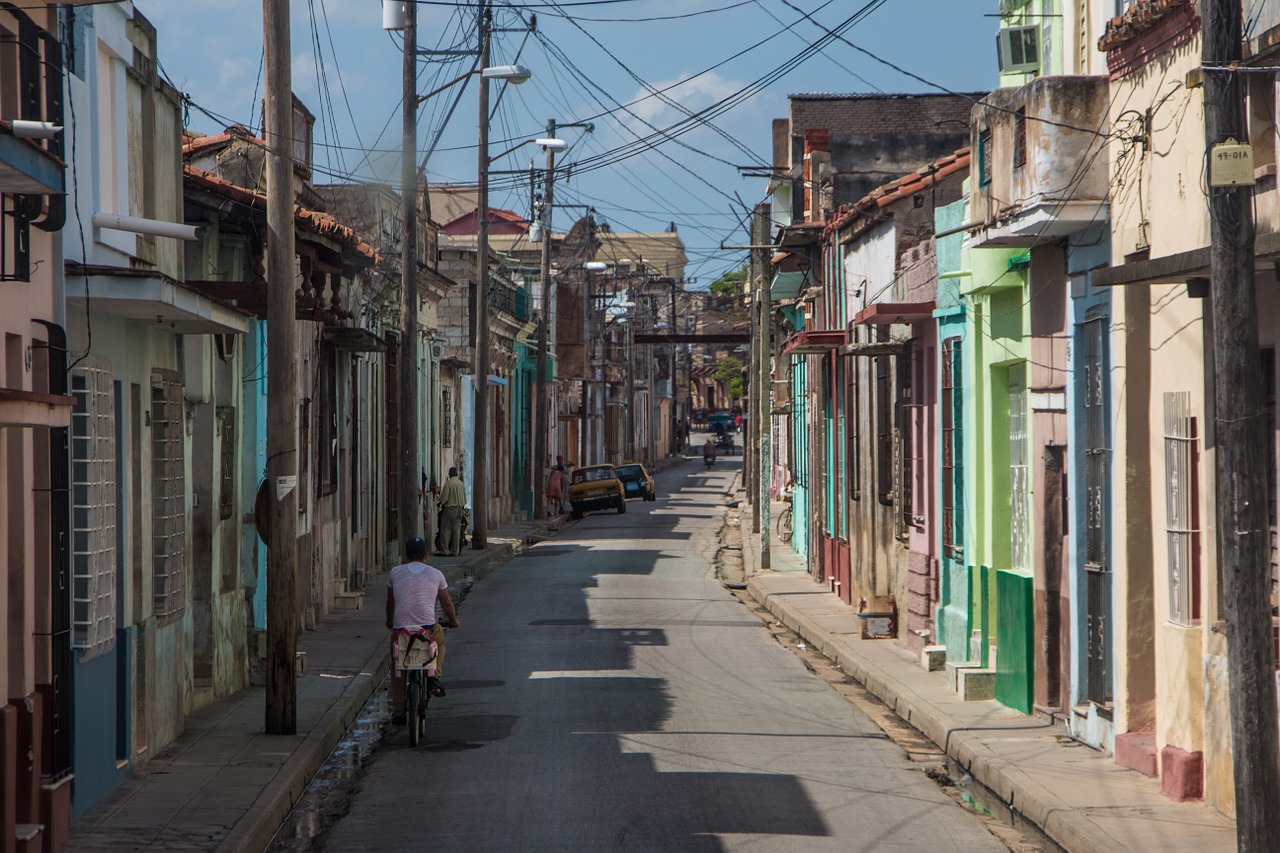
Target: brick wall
875	139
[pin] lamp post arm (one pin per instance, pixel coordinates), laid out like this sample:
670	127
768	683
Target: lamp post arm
456	80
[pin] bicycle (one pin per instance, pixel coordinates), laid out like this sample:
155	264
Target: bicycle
416	657
786	519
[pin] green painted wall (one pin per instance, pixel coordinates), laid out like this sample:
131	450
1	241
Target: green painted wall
997	321
1015	640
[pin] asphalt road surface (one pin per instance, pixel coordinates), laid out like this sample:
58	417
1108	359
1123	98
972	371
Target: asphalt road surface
607	693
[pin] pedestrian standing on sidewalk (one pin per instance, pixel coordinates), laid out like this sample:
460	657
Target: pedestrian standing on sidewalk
453	497
565	471
412	592
555	489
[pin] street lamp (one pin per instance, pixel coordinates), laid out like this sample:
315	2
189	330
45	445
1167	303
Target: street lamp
404	15
480	451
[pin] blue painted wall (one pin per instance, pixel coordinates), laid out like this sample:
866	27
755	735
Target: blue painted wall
97	726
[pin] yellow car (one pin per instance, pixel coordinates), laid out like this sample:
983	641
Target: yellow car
596	487
636	482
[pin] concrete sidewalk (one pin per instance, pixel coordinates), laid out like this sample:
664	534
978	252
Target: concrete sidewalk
1077	796
224	784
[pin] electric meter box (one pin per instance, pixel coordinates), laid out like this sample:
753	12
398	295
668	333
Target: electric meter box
1231	164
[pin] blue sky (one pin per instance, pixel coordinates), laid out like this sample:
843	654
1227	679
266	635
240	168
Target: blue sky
588	58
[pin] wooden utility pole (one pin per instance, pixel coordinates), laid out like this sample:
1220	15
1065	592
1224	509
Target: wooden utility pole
410	514
480	454
542	406
1240	425
764	457
282	346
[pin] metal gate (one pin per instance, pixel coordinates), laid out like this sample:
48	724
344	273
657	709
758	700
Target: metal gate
1097	509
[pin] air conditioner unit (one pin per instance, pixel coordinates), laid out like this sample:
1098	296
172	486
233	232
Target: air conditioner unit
1019	49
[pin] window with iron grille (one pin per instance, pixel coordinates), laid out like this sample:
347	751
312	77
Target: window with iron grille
842	462
984	158
1181	522
227	464
446	417
952	449
907	415
854	436
884	424
328	449
168	463
1019	472
1095	417
93	508
1020	138
1269	398
391	421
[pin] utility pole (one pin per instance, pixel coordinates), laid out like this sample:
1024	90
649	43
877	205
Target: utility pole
763	407
541	426
673	329
631	381
410	515
282	347
585	409
1240	425
480	454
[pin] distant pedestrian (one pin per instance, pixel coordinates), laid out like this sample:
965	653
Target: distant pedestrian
453	497
565	473
555	488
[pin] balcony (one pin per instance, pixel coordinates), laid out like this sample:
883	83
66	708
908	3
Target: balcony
1039	173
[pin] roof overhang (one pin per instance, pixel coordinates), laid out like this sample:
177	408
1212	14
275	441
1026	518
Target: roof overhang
1035	223
888	313
787	285
27	169
157	300
870	348
353	339
817	341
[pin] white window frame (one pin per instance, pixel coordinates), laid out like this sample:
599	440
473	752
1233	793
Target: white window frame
168	496
93	508
1181	494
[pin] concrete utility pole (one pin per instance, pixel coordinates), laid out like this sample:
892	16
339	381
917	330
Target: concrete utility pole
410	516
1240	424
763	407
541	426
480	454
282	347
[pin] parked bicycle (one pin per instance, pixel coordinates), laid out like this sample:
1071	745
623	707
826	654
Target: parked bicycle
786	520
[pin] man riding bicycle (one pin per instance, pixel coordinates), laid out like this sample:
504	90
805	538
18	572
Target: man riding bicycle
412	592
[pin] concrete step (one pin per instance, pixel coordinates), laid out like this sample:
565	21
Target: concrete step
933	658
348	601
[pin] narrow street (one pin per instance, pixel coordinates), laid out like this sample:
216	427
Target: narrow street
607	692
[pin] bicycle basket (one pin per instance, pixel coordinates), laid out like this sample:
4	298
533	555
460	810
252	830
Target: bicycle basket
413	652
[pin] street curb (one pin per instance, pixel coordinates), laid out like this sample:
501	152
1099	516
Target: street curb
254	831
1069	829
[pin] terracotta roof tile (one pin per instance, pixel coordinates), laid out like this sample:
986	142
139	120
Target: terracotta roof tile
312	220
900	188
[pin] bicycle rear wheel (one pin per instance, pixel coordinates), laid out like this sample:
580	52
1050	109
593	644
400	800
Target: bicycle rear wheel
785	530
413	690
424	698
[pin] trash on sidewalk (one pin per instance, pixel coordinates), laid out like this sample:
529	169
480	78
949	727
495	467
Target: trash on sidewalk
879	617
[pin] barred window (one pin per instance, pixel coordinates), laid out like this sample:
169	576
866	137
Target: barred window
93	507
1181	491
446	417
1019	471
168	534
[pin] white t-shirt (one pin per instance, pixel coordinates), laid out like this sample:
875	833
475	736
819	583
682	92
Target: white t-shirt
415	586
